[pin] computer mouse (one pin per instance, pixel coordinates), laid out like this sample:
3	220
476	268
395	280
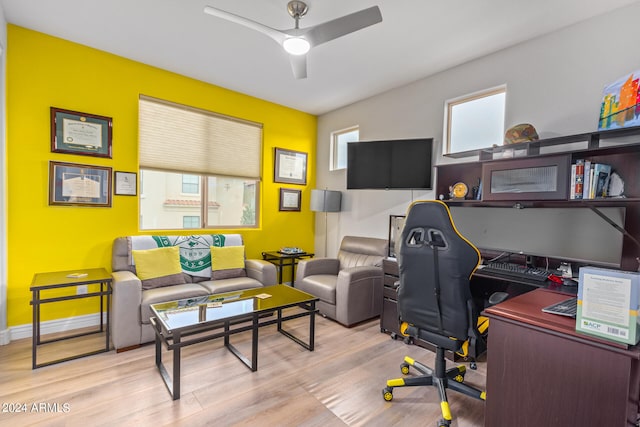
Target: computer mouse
569	282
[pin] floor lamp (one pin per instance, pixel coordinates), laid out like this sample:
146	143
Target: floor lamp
325	201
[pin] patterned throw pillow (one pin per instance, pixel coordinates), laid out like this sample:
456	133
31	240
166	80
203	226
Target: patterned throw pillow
227	262
158	267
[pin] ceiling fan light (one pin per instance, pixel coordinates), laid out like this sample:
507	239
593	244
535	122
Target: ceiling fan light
296	45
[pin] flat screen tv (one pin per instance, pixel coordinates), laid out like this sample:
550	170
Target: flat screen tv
390	164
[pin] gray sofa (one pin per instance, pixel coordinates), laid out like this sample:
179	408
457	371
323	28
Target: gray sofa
349	286
130	309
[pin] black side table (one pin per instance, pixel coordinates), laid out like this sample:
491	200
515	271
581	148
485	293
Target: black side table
281	260
48	282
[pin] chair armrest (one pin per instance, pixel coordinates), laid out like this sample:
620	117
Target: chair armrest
359	294
314	266
125	309
263	271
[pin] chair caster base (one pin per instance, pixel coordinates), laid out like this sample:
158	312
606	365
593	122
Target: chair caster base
387	394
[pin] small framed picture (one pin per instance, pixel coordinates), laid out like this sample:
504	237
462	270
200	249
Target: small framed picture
80	133
290	199
125	184
290	167
81	185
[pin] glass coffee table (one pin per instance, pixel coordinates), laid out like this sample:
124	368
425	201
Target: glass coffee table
190	321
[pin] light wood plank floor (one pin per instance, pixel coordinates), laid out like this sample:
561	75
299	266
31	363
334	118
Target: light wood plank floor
338	384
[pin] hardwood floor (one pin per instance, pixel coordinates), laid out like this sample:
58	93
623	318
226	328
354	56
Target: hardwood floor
338	384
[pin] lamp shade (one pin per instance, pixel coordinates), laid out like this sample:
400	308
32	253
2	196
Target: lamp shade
325	200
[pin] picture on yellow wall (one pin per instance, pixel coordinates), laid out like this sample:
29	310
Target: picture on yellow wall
290	167
80	133
290	199
76	184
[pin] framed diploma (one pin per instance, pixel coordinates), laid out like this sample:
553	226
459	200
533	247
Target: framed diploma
82	185
80	133
125	184
290	199
290	167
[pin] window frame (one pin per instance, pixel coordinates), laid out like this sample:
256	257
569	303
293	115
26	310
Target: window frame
198	183
209	153
334	147
448	114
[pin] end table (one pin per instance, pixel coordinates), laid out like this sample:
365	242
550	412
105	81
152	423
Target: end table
62	279
282	260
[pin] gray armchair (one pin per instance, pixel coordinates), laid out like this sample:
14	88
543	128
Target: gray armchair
349	286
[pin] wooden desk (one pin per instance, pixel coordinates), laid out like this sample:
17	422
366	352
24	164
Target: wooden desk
540	372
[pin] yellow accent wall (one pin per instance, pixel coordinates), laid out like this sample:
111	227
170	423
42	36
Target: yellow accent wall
44	72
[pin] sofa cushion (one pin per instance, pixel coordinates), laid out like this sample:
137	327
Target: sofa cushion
229	285
322	286
158	267
168	293
227	262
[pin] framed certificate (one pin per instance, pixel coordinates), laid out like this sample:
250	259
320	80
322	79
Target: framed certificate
290	167
290	199
80	133
76	184
125	184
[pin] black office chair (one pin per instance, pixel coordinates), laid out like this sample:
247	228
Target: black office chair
435	302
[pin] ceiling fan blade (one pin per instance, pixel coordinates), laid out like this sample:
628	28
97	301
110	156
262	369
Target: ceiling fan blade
339	27
299	66
276	35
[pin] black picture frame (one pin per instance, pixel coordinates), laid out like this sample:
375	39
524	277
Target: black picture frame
290	167
290	199
73	184
85	134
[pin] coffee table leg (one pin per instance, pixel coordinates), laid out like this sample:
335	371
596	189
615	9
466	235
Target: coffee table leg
176	366
312	325
254	344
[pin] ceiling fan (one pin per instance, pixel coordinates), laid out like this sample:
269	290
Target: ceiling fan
297	41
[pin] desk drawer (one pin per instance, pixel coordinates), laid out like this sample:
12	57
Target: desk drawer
391	293
390	267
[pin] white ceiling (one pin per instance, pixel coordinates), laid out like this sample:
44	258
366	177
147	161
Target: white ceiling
416	38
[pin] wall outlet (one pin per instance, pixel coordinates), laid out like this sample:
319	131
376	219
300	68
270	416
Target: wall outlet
81	289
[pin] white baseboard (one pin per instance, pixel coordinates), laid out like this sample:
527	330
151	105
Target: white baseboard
52	326
5	337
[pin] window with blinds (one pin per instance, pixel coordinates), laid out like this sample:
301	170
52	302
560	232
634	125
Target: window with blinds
197	164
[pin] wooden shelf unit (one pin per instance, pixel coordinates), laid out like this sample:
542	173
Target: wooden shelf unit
619	148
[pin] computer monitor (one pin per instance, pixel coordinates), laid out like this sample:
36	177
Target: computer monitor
568	234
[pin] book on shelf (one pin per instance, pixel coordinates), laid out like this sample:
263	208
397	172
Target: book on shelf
586	189
578	182
601	177
589	180
572	185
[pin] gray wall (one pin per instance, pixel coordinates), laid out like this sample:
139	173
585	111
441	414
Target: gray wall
554	82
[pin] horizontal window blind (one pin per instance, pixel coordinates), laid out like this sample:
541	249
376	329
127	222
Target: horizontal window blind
178	138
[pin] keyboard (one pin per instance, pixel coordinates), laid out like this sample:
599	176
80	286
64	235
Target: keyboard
568	307
507	269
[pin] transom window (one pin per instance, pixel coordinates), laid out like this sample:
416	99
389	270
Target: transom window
200	169
339	141
475	121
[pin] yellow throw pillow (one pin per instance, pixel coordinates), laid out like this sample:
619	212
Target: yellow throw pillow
158	267
227	262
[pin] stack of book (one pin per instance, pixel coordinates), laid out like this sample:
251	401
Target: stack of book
589	180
